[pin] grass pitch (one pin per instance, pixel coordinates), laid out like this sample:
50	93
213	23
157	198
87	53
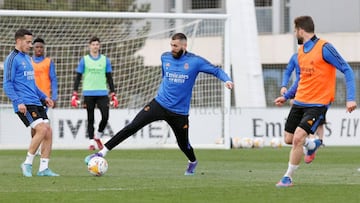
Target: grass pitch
140	176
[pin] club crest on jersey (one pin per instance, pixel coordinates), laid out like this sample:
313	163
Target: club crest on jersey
167	65
23	64
186	66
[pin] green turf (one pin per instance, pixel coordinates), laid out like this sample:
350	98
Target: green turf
241	175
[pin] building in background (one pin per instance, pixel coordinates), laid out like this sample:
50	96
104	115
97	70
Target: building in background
336	21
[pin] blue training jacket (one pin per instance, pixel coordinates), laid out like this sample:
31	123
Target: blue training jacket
331	56
18	82
178	79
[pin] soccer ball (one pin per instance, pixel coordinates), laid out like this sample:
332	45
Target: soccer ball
97	166
219	140
275	143
259	142
236	142
246	142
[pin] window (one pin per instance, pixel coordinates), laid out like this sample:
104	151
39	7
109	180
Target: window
263	3
205	4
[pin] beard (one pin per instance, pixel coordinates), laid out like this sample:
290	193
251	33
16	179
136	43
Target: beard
300	40
178	54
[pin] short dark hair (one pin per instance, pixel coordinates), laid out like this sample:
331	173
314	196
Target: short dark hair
21	33
179	36
305	22
94	39
39	40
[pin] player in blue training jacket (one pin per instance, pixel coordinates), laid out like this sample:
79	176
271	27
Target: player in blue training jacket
19	86
179	71
293	65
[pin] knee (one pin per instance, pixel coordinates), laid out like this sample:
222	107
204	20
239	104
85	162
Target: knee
298	140
44	129
288	138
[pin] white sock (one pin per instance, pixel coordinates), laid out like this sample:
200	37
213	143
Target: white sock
29	158
44	164
92	142
291	169
98	135
305	150
309	144
104	151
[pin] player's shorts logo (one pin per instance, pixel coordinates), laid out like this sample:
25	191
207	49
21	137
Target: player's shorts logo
33	114
146	108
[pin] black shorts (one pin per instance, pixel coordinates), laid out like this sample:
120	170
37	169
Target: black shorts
307	118
34	115
102	102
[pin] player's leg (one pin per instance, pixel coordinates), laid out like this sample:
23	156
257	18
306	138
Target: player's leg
317	116
46	148
90	102
292	121
43	102
291	124
34	119
103	105
320	133
27	119
150	113
180	125
46	144
32	133
296	152
321	130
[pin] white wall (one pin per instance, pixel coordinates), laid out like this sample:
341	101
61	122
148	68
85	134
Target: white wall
272	48
279	48
329	15
69	128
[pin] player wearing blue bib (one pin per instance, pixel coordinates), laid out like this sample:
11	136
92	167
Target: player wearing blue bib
19	86
179	71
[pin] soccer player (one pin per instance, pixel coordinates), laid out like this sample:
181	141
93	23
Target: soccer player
19	85
96	69
179	71
292	66
318	61
44	72
44	69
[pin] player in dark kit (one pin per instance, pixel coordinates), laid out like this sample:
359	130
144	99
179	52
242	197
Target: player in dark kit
179	71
